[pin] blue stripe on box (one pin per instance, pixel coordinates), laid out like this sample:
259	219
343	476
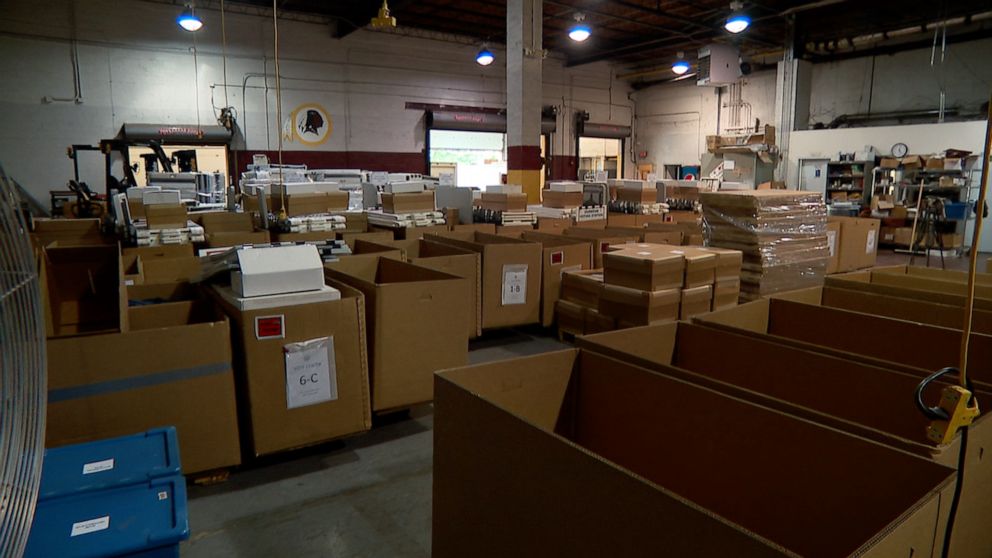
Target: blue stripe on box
136	382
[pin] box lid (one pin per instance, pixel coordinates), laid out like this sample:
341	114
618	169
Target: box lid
119	521
626	295
109	463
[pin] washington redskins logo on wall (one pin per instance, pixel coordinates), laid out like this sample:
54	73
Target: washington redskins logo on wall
311	124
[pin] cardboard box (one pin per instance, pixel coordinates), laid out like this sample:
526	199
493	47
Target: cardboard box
637	307
170	270
310	204
700	265
695	301
68	232
559	254
596	224
511	277
595	322
833	245
726	293
416	324
887	235
224	222
349	237
646	267
408	203
638	196
582	287
858	243
936	163
601	240
504	202
83	290
929	289
899	212
487	228
447	259
571	454
223	239
563	200
950	240
284	407
548	224
911	162
860	399
166	216
728	263
889	163
305	236
570	317
408	233
903	236
173	368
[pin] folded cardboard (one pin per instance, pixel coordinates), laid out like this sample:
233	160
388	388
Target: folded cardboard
637	307
416	324
563	200
166	216
408	202
647	267
173	368
695	301
447	259
286	404
83	290
868	401
511	276
559	254
572	453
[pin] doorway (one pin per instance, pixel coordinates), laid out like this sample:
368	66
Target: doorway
600	154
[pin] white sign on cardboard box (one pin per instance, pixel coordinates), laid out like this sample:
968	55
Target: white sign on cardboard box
311	373
514	284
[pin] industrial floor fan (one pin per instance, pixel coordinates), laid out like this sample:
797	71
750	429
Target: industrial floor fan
22	375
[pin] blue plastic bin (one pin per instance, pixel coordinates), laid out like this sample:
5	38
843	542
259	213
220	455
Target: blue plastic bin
147	520
956	211
109	463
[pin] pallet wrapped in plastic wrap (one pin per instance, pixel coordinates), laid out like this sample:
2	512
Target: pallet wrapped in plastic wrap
782	234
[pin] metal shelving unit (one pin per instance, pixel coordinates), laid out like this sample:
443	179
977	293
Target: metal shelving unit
851	177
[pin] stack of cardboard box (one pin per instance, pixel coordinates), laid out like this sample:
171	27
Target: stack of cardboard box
577	309
408	205
506	197
782	234
635	204
654	283
852	242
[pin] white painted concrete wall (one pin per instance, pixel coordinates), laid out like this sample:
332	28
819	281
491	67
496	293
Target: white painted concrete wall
673	120
136	66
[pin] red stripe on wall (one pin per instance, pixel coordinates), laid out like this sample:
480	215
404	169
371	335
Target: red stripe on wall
564	167
523	157
363	160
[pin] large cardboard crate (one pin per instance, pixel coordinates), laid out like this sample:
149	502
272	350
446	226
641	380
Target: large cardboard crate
69	232
173	368
912	282
560	255
83	290
511	276
276	415
920	348
573	453
447	259
868	400
415	320
856	243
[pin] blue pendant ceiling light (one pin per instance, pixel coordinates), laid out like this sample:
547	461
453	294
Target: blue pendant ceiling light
738	20
580	31
485	56
681	65
188	20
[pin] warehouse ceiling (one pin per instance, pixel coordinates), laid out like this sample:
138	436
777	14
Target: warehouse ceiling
648	33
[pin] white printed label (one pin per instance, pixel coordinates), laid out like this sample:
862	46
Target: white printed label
98	466
729	164
90	526
447	179
514	284
870	244
379	178
832	242
311	372
129	282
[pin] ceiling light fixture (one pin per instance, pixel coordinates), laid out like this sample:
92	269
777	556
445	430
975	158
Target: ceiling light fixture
188	20
680	66
580	31
485	56
738	20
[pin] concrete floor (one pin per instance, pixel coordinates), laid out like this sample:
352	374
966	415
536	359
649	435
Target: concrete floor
368	496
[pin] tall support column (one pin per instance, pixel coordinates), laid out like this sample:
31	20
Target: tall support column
792	96
523	95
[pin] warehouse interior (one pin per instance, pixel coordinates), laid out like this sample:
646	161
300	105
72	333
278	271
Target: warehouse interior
377	278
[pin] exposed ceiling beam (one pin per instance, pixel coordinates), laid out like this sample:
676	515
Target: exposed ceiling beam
687	21
624	19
